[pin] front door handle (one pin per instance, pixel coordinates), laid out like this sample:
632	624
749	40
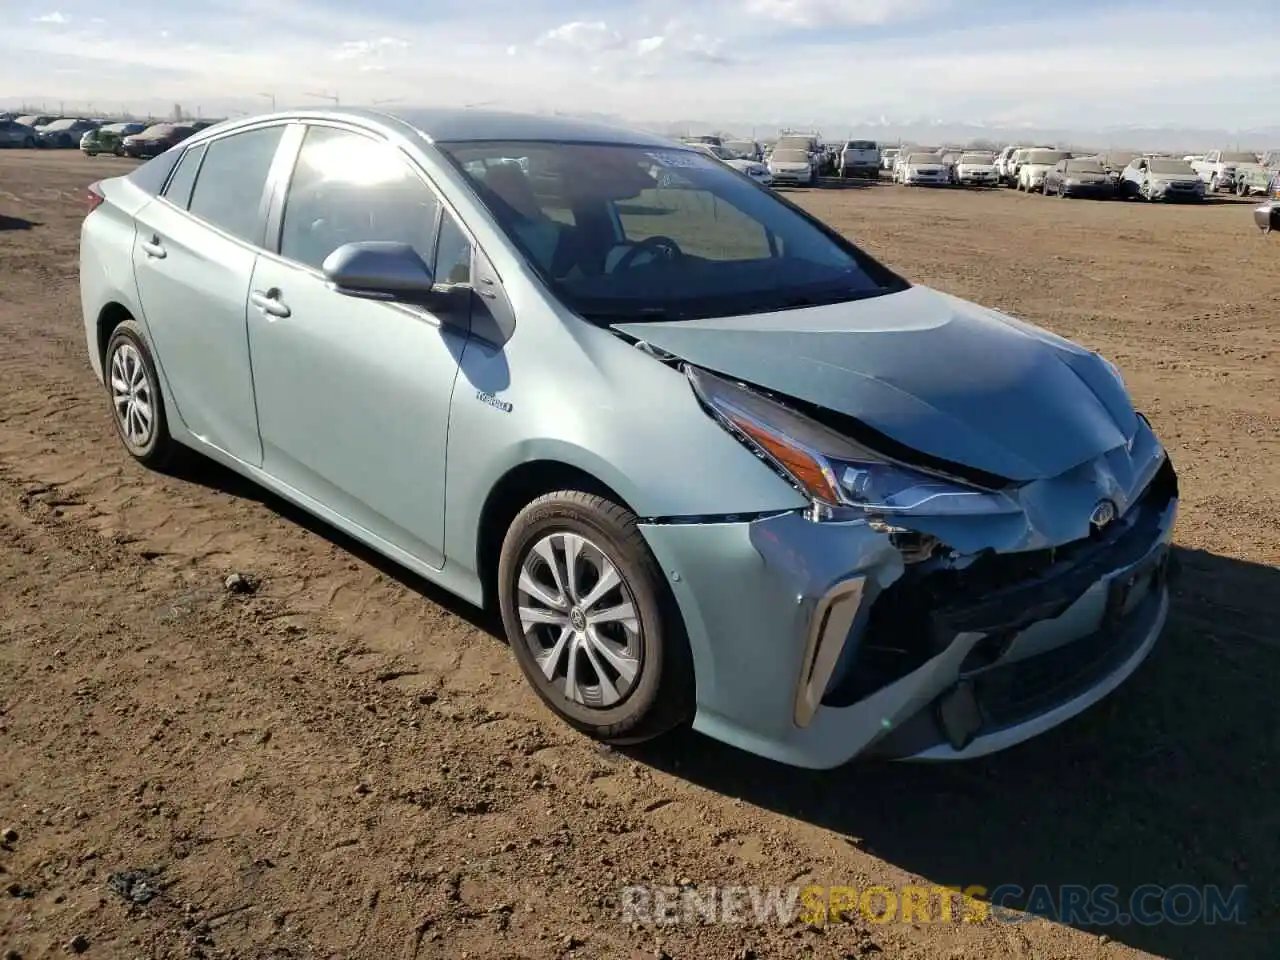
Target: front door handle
154	248
269	303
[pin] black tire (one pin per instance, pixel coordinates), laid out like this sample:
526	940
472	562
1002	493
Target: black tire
29	143
661	696
118	150
157	449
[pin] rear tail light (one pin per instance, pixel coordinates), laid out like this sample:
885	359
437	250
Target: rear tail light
95	197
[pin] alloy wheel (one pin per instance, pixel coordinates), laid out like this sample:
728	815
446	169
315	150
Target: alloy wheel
132	395
579	620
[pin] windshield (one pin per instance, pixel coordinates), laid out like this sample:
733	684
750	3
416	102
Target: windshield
159	130
977	158
922	158
860	145
1046	157
789	155
719	152
1084	166
1172	168
646	233
1239	158
742	148
62	125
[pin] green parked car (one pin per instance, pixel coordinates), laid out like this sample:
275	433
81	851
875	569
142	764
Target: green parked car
108	139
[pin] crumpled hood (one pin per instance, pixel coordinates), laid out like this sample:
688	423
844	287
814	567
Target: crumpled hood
946	377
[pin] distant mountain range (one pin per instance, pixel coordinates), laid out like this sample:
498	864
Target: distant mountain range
883	129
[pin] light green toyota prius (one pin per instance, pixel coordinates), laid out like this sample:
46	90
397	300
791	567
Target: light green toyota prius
714	464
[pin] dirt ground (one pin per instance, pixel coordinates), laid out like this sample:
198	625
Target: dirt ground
347	763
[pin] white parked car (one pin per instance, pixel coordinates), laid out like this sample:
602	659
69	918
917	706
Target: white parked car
791	165
976	169
1218	168
860	158
756	171
888	157
1035	164
1004	163
921	169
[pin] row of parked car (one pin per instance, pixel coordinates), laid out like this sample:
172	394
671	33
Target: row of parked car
96	136
1066	173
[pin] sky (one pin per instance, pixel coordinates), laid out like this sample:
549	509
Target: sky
1084	64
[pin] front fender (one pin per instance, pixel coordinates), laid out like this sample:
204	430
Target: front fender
610	411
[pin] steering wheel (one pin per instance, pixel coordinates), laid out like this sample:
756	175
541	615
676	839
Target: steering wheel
662	248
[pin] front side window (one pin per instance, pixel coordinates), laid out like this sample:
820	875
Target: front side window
660	233
350	188
228	189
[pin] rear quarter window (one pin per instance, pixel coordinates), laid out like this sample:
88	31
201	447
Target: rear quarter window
153	174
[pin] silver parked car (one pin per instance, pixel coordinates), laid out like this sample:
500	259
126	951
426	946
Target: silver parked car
711	461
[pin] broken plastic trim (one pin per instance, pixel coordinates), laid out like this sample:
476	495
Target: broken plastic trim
704	518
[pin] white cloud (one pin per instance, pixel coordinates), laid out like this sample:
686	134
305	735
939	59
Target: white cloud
592	36
55	17
360	49
832	13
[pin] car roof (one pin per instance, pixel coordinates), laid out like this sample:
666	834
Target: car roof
452	124
461	125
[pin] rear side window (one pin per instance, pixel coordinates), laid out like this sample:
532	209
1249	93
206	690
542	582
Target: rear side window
228	190
152	175
178	192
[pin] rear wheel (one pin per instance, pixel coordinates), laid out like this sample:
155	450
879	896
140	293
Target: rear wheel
585	609
136	402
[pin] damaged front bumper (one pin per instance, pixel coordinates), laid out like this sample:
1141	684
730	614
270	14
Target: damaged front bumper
815	642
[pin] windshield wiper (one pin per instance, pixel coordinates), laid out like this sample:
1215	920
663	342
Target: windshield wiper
638	314
823	300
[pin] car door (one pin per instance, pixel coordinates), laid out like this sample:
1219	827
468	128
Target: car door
353	394
194	251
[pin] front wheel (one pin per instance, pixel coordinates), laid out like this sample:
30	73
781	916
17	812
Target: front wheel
585	609
136	401
29	143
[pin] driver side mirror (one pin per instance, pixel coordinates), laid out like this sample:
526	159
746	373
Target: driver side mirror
381	270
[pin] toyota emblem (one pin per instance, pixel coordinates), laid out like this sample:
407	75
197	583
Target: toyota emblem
1102	515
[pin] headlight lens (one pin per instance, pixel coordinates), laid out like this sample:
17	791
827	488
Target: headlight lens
832	469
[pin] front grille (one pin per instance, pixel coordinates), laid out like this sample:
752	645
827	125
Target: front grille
1014	693
999	594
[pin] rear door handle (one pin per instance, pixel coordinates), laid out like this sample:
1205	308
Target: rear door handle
269	303
154	248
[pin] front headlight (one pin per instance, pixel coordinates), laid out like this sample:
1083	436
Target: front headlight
832	469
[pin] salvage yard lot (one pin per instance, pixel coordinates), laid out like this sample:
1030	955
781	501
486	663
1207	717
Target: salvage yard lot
345	762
